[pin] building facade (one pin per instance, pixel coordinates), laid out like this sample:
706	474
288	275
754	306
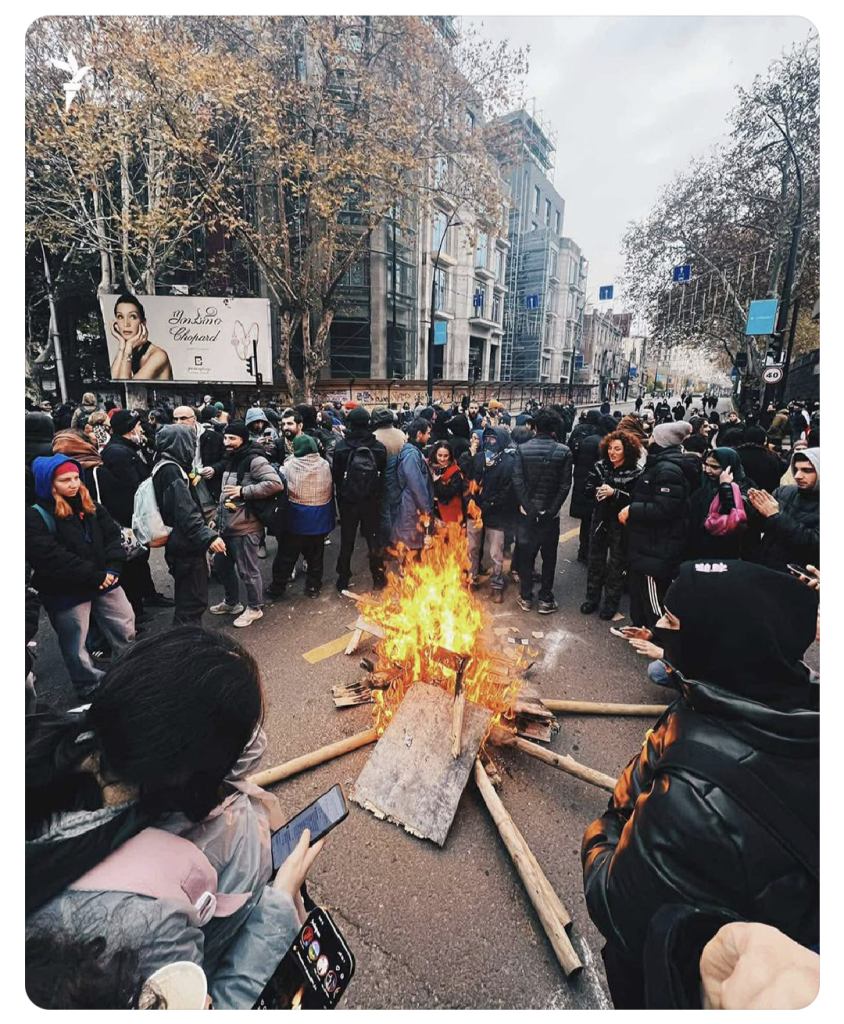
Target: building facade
603	355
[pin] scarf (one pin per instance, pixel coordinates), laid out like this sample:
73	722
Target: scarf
79	446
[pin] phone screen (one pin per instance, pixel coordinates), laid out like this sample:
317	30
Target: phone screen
314	972
320	817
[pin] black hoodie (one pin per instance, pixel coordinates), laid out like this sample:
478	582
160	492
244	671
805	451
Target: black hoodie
177	499
38	443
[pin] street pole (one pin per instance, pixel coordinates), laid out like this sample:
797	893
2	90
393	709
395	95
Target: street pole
54	327
780	388
432	327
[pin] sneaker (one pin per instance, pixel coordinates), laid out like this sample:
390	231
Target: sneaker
546	607
262	550
248	617
226	609
274	590
342	585
525	603
589	607
159	601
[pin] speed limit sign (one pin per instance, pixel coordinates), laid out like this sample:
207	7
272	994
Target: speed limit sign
772	374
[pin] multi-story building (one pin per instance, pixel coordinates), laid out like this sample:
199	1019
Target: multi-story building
603	353
574	269
535	313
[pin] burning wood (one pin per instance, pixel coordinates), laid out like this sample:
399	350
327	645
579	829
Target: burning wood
564	762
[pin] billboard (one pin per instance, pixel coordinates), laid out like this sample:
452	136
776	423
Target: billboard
188	339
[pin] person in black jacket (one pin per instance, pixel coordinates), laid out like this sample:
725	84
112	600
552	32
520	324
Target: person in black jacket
677	832
542	481
792	515
584	457
610	484
657	521
38	442
181	509
326	439
125	466
584	429
76	553
359	461
761	463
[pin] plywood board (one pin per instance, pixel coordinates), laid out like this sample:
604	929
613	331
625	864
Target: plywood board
411	777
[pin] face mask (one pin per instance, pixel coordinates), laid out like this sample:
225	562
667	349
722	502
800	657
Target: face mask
490	456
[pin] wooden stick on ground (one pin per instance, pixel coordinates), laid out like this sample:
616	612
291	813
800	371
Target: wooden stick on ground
458	707
552	914
591	707
301	764
564	763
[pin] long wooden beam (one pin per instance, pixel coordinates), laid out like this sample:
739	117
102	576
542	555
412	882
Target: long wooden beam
301	764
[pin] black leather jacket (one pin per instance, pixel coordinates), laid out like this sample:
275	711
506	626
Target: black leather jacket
689	841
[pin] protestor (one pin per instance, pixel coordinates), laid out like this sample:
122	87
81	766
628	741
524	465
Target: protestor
125	466
583	500
419	434
358	471
81	447
542	481
657	522
719	510
448	484
611	483
586	428
208	460
326	440
247	479
725	787
155	773
384	427
190	537
310	517
89	405
38	443
98	426
459	435
492	506
764	467
792	515
75	550
633	424
778	429
409	496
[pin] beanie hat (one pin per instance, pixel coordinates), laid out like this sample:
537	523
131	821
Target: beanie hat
303	445
755	435
495	404
123	421
350	405
667	434
237	429
219	406
381	417
358	417
66	467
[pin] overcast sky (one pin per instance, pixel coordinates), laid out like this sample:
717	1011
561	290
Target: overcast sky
631	100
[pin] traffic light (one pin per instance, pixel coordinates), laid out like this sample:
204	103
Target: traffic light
249	367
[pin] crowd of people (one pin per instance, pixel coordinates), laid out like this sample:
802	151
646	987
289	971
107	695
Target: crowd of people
710	526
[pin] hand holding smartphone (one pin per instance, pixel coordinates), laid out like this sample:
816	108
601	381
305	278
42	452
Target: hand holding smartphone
319	818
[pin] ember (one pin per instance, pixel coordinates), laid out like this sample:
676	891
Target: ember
431	619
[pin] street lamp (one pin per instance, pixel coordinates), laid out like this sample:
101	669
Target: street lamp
450	222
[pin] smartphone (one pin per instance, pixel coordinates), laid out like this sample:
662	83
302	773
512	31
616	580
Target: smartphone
320	817
315	971
801	573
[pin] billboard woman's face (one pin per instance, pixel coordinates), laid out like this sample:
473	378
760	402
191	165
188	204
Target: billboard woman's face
128	319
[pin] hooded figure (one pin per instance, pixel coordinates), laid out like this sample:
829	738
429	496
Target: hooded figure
792	531
38	442
492	503
459	431
704	833
89	405
719	531
583	430
584	459
763	466
83	449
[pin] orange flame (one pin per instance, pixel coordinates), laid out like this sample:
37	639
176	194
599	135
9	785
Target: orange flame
429	614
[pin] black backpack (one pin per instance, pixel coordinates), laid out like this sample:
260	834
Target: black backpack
361	481
270	512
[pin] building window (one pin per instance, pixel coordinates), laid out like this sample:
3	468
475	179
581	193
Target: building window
440	171
546	366
496	308
481	254
547	213
557	222
537	199
499	266
440	288
552	270
440	231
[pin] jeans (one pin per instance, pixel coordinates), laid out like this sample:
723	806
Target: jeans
495	538
537	537
241	561
290	546
190	587
363	515
113	615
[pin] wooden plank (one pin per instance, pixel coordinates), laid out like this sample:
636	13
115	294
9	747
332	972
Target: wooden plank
411	778
327	650
590	707
354	640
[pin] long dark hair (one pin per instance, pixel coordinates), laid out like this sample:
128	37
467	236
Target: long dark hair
171	716
432	458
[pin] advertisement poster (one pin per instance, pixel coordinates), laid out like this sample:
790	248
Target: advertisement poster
187	339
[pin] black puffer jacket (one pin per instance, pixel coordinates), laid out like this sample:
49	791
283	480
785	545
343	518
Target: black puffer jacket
658	520
177	498
342	453
542	475
764	467
38	443
213	453
794	535
124	467
582	501
689	841
583	430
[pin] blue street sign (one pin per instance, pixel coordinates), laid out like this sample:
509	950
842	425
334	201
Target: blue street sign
683	273
578	361
532	301
478	299
440	332
734	373
633	372
605	292
762	316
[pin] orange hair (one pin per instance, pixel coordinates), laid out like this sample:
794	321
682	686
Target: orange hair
64	511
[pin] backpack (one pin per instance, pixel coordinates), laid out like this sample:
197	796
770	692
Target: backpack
270	512
361	480
147	522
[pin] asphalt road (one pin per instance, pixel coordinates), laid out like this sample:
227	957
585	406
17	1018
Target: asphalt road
448	927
